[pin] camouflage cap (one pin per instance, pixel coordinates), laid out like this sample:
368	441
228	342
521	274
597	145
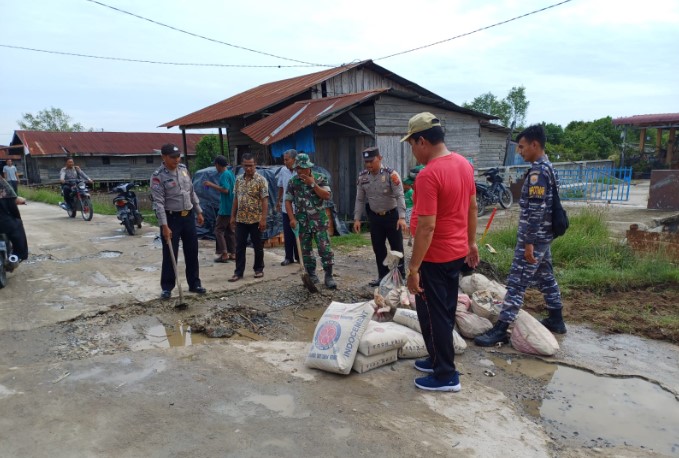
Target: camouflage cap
303	162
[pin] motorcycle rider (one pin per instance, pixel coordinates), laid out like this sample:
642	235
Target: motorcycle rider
68	174
10	219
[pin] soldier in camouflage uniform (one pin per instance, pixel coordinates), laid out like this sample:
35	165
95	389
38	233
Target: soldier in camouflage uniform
307	191
532	262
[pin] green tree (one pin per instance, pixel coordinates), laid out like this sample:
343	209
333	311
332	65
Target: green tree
207	149
52	119
511	109
553	132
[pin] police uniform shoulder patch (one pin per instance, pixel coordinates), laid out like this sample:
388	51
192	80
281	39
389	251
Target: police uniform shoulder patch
534	178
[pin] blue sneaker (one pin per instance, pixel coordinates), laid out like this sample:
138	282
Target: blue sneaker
430	383
424	365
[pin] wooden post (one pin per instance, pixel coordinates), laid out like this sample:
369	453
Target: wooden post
670	146
642	141
658	141
186	152
221	142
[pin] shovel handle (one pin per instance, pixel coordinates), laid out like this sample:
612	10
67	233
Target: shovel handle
174	266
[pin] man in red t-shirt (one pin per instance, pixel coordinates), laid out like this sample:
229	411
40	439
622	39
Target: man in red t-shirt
444	240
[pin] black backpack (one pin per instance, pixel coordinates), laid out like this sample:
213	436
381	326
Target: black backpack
559	217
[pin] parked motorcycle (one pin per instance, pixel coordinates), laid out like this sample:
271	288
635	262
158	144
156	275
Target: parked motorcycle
127	208
493	193
8	260
81	200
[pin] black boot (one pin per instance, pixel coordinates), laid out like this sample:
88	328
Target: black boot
497	334
554	322
312	275
329	281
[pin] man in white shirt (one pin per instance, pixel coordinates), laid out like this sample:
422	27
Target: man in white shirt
9	172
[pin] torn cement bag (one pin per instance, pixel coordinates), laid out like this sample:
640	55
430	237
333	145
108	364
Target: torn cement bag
484	304
393	280
364	363
459	343
383	312
530	336
381	337
470	324
337	336
477	282
408	317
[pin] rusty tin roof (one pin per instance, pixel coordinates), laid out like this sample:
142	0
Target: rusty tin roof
299	115
258	98
647	120
42	143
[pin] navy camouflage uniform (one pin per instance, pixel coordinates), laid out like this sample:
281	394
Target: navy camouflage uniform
176	204
384	203
312	220
535	227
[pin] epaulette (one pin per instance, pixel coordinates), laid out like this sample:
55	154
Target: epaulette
157	171
363	172
389	170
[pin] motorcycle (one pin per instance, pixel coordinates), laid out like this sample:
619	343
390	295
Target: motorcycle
8	260
127	208
82	201
493	193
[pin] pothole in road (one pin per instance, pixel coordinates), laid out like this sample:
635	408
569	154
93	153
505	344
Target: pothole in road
581	408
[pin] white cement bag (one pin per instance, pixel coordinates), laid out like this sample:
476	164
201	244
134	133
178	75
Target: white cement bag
484	304
337	336
408	317
465	285
477	282
463	302
458	343
530	336
379	338
364	363
414	346
470	324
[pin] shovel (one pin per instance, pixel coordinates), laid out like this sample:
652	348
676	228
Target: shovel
181	305
308	283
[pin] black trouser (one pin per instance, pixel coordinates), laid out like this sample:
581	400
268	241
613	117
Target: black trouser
242	232
13	227
289	237
184	228
15	185
66	190
383	228
436	308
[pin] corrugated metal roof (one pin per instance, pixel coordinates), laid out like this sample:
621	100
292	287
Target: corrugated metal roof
42	143
258	98
299	115
648	120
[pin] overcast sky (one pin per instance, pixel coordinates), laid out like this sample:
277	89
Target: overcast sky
582	60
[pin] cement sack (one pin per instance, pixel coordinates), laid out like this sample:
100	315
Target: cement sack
379	338
478	282
408	318
530	336
337	336
470	324
463	302
414	346
459	343
364	363
484	304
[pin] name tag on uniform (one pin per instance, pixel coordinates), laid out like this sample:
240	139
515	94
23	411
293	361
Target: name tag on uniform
184	172
384	179
536	191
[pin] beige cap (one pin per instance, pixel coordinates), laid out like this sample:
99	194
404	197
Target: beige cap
420	122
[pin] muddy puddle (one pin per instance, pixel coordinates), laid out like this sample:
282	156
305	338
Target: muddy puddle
581	408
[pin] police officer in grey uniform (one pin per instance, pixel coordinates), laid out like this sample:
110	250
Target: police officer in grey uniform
177	208
380	193
532	257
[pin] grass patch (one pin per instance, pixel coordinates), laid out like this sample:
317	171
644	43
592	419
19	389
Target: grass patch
586	257
345	243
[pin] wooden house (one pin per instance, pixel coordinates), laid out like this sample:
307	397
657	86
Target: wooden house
103	156
333	115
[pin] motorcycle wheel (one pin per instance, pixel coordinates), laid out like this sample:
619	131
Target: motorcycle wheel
86	209
129	225
506	198
71	212
480	205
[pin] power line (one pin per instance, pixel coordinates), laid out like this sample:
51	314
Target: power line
311	64
185	64
472	32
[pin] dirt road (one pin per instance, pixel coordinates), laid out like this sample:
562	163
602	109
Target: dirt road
93	364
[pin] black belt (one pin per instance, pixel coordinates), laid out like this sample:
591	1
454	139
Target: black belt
178	212
386	213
